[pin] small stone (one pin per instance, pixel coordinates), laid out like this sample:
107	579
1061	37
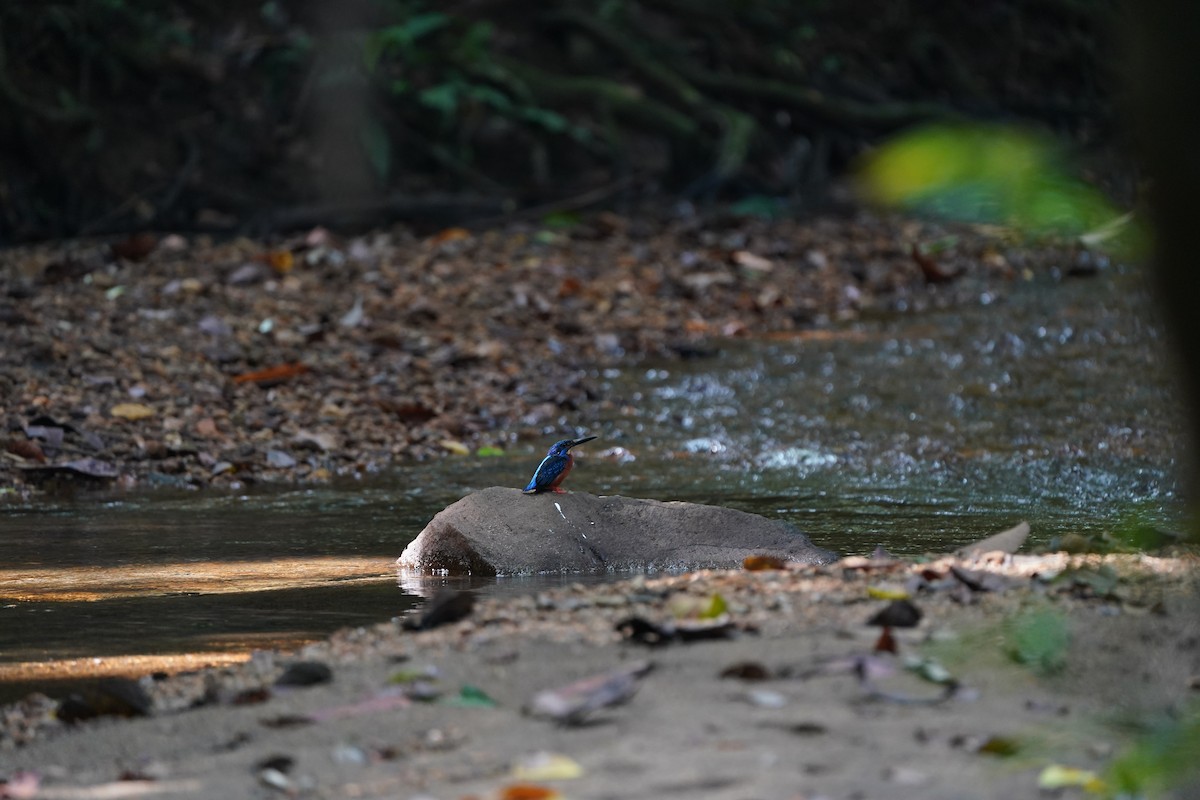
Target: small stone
305	673
766	698
280	460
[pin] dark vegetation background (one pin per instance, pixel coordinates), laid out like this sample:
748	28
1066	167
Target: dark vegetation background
120	115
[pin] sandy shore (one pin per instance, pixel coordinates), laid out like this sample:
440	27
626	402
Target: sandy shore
791	700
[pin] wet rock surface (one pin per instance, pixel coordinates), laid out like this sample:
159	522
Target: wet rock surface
499	531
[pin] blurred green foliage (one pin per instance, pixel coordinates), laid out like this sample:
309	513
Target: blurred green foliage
165	111
1039	639
1164	759
994	174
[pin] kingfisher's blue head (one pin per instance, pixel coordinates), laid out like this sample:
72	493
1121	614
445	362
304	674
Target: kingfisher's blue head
560	448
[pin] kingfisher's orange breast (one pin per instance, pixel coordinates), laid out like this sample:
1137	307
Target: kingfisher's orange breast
570	463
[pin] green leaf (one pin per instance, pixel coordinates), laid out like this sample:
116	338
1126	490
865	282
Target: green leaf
399	40
411	675
550	120
489	452
443	98
473	45
471	697
489	96
716	608
929	669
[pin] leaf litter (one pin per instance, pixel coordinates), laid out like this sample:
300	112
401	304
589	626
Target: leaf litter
476	338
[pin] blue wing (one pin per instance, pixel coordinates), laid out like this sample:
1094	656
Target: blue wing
550	468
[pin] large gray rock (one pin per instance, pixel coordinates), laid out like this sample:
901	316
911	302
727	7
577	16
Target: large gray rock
501	531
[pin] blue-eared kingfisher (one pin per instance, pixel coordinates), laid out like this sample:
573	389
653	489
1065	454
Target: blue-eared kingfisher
554	467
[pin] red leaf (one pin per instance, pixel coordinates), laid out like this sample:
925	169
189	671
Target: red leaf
27	450
272	375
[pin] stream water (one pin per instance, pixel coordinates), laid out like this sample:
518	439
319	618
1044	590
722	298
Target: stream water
922	432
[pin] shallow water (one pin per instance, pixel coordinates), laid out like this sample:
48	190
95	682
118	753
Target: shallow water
918	433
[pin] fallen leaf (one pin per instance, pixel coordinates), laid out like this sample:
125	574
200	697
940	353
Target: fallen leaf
489	451
26	449
455	446
407	412
569	287
929	669
980	580
450	235
643	631
387	700
528	791
1008	541
760	563
544	766
131	411
470	697
716	608
887	593
272	375
753	262
282	261
1056	776
1002	746
573	703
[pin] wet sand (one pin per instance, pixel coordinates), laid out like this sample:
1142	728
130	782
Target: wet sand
826	716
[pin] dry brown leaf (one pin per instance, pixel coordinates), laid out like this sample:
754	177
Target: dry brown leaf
272	375
26	449
760	562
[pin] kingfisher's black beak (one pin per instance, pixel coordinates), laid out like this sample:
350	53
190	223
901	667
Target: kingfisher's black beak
580	441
